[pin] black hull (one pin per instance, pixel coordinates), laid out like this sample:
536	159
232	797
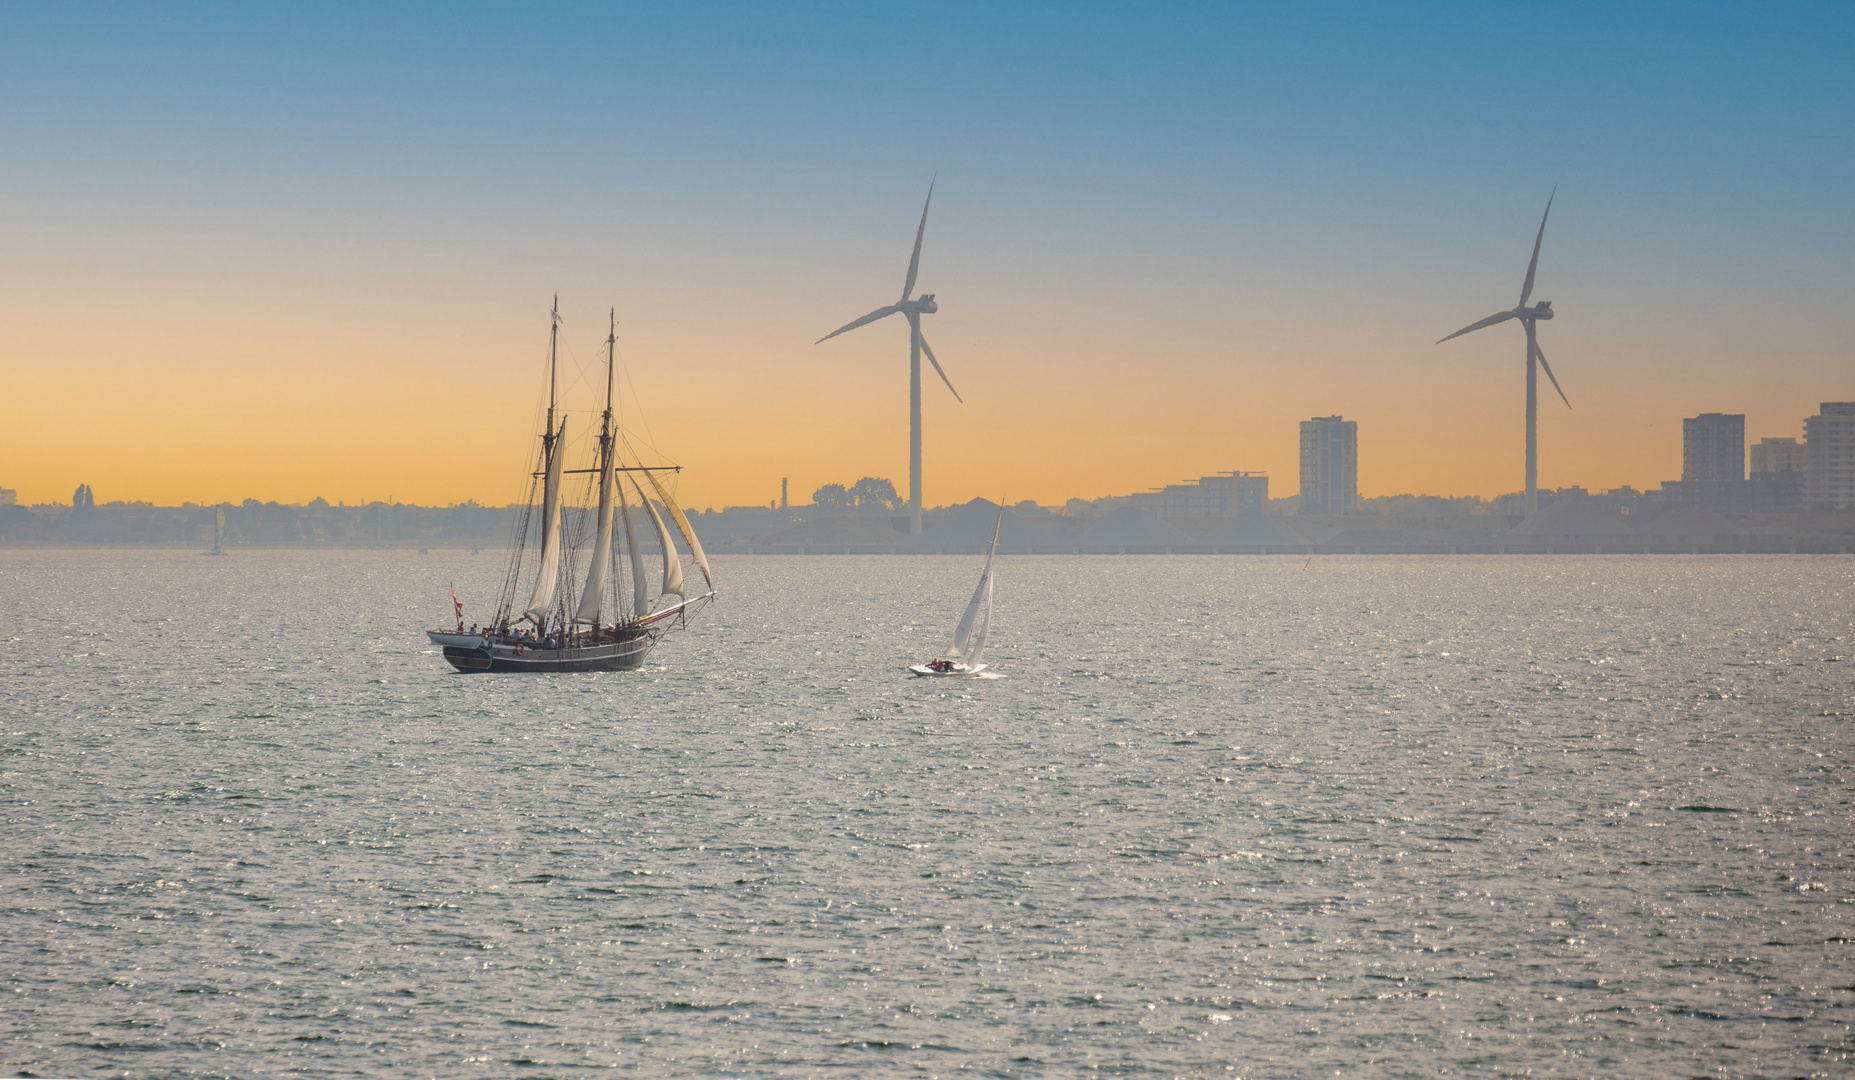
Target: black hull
626	654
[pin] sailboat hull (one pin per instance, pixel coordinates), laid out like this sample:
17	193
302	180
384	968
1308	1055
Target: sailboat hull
959	672
625	654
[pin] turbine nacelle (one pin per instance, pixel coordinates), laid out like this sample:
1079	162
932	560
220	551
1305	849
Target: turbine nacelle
1541	310
922	305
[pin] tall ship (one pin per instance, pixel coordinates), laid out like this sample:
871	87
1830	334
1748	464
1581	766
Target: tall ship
564	608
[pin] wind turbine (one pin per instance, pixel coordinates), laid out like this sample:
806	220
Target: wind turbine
917	345
1529	317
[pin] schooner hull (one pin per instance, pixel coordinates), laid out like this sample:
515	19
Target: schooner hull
625	654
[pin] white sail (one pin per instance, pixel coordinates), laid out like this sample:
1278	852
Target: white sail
672	563
964	632
975	650
982	598
602	547
543	599
640	590
682	524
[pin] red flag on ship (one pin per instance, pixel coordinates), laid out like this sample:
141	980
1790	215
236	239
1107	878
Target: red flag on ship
455	602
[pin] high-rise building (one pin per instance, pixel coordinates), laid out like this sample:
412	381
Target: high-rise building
1713	447
1829	457
1777	455
1329	466
8	497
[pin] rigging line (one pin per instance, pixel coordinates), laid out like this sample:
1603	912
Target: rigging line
577	382
650	437
540	414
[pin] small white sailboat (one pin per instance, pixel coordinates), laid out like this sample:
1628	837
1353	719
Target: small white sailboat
964	657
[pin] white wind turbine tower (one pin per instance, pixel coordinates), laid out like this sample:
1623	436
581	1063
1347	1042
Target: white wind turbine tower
1529	316
917	345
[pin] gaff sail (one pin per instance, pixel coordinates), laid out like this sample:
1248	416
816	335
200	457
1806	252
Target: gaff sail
543	599
602	547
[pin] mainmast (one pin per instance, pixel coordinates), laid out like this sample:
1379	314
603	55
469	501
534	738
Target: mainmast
547	439
594	591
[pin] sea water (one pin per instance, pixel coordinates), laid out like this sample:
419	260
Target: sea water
1221	816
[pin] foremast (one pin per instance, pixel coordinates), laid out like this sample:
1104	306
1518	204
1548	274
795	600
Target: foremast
553	443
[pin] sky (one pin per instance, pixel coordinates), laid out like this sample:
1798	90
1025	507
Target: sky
289	251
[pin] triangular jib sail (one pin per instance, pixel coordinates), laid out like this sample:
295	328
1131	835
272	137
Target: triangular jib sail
682	525
672	563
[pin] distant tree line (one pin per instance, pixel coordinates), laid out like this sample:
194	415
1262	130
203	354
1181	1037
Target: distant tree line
869	495
253	522
472	524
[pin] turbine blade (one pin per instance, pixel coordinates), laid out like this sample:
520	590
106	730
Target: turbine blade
1498	317
943	375
914	262
870	318
1541	353
1527	289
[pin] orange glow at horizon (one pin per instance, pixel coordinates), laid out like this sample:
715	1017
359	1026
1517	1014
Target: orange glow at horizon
434	402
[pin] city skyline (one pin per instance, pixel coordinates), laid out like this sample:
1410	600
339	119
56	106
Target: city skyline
1711	447
290	255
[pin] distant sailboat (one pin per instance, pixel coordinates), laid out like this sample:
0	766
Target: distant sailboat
604	630
218	533
965	654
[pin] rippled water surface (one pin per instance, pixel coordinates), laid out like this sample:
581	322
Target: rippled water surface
1225	816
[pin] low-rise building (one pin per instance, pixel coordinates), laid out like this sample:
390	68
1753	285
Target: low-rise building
1778	455
1760	493
1225	495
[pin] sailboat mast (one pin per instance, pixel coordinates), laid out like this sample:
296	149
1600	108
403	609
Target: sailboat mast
553	343
608	450
547	440
592	593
